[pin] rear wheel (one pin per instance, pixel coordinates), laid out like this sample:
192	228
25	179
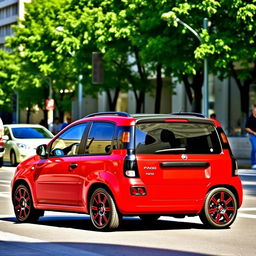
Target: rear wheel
103	211
13	159
23	205
220	208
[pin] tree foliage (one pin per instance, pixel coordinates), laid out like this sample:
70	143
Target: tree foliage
54	44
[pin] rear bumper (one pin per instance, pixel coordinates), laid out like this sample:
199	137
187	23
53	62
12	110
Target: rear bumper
165	205
151	204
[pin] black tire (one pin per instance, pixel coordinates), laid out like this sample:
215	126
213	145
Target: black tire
1	161
13	159
23	205
149	218
220	208
103	211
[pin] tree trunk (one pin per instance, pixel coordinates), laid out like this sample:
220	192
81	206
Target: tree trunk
112	102
140	103
196	85
140	100
159	86
244	88
187	88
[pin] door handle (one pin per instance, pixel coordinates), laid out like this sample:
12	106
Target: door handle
72	166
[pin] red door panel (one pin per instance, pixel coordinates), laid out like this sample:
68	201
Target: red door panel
57	182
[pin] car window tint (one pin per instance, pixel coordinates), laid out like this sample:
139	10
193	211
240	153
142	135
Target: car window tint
30	133
100	138
174	138
69	141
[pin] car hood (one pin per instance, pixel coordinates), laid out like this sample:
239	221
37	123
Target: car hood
33	143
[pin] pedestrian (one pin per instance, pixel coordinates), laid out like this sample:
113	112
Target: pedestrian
66	123
213	116
55	127
250	127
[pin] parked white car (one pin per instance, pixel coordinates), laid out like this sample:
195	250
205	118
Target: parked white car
21	141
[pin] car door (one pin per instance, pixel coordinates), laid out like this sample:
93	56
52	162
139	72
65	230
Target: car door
57	177
175	160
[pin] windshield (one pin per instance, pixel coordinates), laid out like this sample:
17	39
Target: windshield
177	138
31	133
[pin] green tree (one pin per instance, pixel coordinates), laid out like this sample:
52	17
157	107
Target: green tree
9	71
229	44
35	44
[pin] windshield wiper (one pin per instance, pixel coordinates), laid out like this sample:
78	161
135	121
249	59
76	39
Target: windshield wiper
171	150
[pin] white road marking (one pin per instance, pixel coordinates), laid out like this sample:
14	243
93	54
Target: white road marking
247	172
5	181
246	215
5	194
248	209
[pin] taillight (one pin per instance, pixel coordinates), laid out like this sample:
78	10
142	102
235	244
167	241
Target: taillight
223	139
225	145
126	137
138	191
130	166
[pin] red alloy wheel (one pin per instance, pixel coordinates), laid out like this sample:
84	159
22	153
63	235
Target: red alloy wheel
220	208
100	209
103	210
22	203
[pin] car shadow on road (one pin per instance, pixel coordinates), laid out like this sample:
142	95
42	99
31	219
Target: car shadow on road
84	249
82	222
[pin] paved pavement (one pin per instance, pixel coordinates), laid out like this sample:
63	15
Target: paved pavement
172	237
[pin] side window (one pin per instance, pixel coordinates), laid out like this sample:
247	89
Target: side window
100	138
68	142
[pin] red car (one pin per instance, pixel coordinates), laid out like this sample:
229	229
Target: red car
112	164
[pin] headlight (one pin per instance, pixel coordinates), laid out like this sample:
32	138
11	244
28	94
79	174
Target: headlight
22	146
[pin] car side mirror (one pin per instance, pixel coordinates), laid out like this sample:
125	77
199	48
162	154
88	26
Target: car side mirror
41	150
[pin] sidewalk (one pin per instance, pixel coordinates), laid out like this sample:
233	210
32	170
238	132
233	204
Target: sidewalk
244	163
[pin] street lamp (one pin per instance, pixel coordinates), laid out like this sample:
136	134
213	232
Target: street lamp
169	16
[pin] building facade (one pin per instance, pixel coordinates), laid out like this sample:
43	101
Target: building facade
10	12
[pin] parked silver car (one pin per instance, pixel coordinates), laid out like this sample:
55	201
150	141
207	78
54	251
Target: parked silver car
21	141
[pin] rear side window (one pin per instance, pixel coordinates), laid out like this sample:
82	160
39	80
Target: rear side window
175	138
100	138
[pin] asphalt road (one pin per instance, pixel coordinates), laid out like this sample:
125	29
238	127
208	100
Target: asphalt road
72	234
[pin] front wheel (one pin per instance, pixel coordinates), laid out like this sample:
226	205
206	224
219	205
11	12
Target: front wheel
1	162
220	208
13	159
23	205
103	211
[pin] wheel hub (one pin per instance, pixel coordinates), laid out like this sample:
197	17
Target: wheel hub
23	203
101	209
221	209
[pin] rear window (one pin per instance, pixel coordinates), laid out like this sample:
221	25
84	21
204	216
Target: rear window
176	138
